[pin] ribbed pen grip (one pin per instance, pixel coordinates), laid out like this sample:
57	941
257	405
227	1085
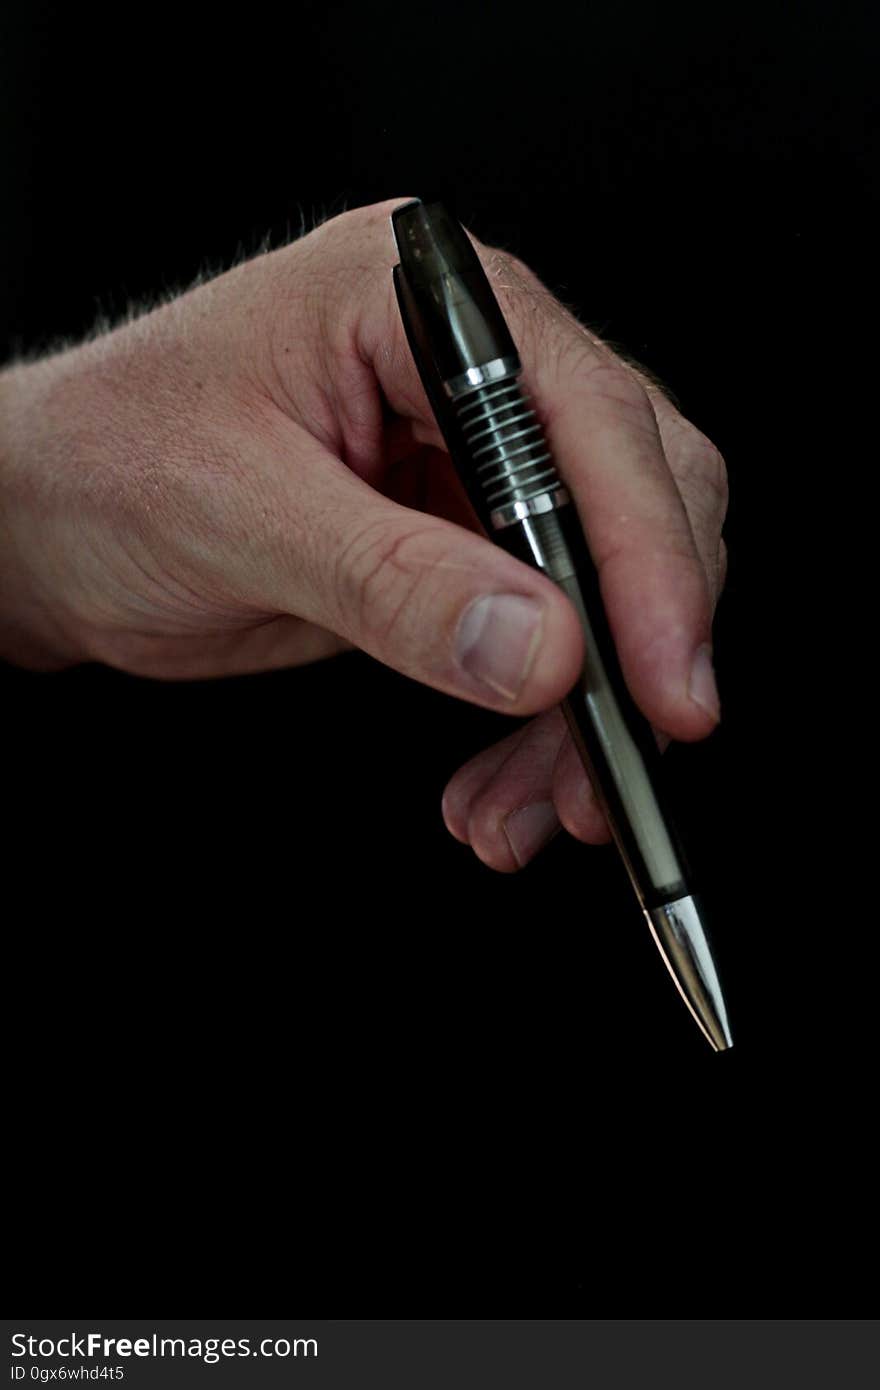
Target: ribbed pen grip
505	440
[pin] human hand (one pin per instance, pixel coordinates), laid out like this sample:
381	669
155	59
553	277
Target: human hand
251	477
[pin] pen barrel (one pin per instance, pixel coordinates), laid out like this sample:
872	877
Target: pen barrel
503	458
470	370
613	738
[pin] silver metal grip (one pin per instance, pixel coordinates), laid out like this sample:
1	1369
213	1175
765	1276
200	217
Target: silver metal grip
509	453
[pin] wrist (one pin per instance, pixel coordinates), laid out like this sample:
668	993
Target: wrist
34	632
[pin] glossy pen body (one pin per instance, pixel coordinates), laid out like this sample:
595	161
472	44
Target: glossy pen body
471	372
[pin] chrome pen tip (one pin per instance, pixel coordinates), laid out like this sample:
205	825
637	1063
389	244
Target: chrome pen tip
681	936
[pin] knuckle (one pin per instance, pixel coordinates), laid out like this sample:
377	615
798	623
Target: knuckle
525	299
613	382
715	474
500	263
703	471
544	323
379	575
668	550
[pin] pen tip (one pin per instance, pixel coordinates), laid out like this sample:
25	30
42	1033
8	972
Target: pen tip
680	933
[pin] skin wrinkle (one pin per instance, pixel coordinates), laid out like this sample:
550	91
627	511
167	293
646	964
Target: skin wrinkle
365	559
422	541
352	392
360	411
677	547
704	476
320	418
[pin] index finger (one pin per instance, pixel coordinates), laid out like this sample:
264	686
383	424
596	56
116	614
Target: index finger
603	432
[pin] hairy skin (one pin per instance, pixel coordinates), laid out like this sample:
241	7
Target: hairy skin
250	476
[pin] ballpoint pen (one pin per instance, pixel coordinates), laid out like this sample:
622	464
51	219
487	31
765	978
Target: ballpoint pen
471	372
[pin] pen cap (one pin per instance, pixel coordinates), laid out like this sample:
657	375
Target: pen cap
461	323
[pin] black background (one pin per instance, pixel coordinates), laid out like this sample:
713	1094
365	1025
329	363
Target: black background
275	1030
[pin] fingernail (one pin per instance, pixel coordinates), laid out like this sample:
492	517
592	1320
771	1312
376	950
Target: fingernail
703	690
497	638
529	828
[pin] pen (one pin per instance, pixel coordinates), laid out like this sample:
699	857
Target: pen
471	372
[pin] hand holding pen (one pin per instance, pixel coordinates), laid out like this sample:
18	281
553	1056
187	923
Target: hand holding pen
252	476
471	371
653	490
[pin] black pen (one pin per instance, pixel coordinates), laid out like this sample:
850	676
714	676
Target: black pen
470	369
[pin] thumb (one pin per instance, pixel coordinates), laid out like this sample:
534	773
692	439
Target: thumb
425	596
